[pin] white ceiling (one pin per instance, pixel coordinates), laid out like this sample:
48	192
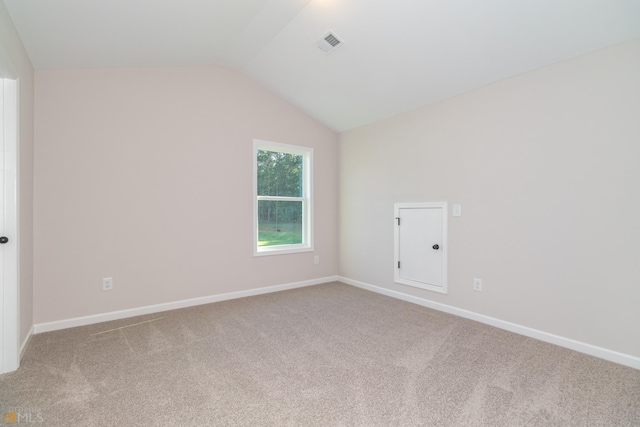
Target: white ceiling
398	54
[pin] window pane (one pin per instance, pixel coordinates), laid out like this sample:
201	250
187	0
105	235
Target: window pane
279	223
279	174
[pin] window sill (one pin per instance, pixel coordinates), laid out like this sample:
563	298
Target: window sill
281	250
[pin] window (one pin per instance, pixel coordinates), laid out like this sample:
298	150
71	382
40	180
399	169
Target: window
282	198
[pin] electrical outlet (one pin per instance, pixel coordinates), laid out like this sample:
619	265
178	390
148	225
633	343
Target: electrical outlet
107	284
477	284
316	259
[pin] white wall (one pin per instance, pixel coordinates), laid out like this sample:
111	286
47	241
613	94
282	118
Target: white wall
145	175
15	64
546	166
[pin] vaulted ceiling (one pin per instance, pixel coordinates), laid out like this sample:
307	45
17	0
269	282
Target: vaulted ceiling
396	54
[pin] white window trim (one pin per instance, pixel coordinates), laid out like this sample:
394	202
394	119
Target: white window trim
306	199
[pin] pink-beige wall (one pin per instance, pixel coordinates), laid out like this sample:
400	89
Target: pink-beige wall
546	166
15	64
145	175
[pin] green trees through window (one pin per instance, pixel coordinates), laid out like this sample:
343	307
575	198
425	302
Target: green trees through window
279	174
282	197
279	221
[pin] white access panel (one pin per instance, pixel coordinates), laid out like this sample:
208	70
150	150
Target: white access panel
9	316
421	245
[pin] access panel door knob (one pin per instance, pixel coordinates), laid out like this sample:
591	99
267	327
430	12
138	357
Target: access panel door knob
4	240
436	247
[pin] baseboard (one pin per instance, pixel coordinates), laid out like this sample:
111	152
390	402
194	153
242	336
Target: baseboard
26	342
602	353
122	314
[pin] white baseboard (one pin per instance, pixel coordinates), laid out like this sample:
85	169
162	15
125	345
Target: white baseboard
602	353
122	314
25	342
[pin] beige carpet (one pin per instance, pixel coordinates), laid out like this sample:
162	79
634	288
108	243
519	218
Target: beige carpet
326	355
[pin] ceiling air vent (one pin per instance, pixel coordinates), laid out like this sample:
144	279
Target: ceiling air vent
329	42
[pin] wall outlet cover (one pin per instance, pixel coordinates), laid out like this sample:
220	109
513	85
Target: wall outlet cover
107	284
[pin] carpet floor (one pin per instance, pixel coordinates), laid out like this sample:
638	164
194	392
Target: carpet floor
326	355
